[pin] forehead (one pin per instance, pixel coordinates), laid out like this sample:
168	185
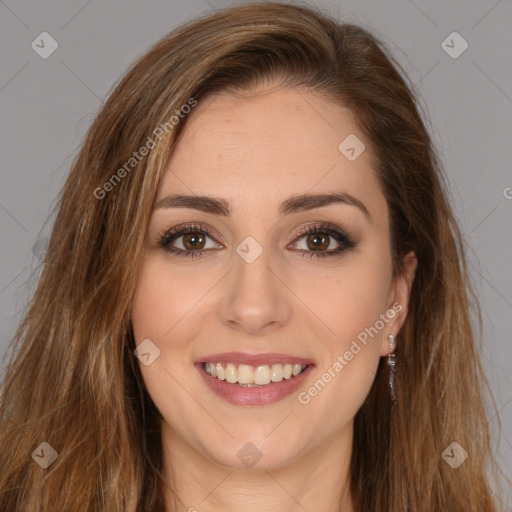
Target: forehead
267	146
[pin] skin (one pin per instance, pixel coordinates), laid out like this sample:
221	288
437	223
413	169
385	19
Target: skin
255	152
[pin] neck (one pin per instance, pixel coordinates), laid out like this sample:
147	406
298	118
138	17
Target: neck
315	480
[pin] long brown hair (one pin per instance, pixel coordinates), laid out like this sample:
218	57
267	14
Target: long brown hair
72	380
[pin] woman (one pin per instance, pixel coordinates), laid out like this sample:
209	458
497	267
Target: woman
255	292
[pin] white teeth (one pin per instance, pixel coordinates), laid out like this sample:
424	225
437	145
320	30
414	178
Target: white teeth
231	373
245	374
219	369
297	368
250	376
276	372
262	375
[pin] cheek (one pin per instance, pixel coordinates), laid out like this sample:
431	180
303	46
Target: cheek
352	302
164	295
345	299
163	299
362	291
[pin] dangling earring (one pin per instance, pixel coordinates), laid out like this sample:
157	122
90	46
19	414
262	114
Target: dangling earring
391	361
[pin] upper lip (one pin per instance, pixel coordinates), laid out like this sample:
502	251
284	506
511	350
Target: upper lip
254	359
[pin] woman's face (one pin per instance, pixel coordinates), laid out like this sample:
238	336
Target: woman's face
250	288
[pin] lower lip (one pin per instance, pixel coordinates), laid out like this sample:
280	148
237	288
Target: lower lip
261	395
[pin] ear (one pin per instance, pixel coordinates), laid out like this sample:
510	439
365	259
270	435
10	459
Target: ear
398	300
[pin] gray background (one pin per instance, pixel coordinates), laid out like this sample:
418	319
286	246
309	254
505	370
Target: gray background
47	105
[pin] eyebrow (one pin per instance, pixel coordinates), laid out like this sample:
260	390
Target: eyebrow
294	204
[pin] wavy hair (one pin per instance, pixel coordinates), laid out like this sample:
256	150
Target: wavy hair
71	379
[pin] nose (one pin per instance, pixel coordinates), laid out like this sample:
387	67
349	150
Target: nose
256	300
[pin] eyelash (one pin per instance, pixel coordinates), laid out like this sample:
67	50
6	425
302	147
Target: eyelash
346	242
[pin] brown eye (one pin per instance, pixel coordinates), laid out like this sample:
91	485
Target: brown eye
190	241
318	241
194	241
321	240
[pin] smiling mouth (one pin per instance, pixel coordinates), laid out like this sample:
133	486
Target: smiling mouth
245	375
